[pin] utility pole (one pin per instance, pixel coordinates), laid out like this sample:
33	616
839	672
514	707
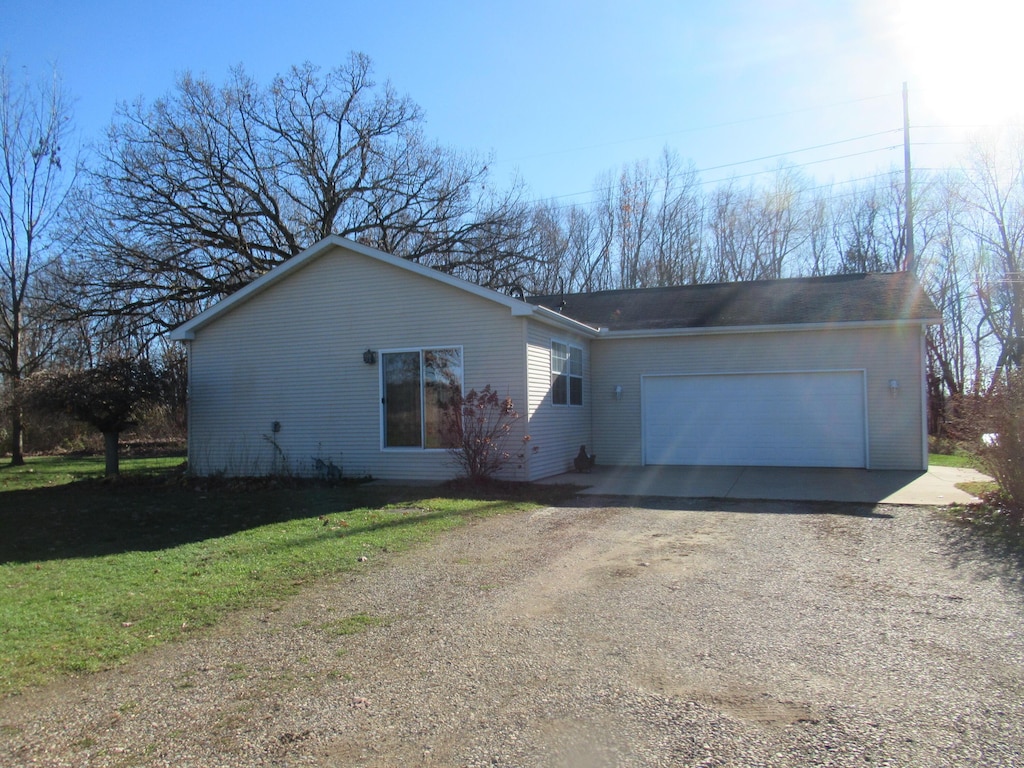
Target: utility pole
909	263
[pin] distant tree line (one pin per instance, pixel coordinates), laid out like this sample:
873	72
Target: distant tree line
189	197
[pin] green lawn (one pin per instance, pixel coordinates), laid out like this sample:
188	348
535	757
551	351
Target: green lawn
92	572
49	471
958	459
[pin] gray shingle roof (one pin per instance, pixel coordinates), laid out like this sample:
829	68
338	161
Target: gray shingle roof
834	299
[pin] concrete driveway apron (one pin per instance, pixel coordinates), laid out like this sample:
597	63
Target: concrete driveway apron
936	487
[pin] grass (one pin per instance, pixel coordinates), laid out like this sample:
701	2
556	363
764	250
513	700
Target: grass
353	625
998	521
979	488
961	458
51	471
93	572
958	459
996	517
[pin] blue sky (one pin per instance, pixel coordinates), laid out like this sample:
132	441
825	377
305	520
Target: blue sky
560	92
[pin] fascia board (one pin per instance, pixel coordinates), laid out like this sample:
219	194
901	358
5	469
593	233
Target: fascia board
788	328
551	317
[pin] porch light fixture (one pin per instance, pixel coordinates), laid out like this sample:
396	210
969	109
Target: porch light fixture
617	392
369	357
894	387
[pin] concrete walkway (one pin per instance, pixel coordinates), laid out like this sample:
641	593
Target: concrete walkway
936	487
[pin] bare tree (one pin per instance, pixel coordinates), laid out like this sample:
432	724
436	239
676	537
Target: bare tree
993	191
868	227
634	222
944	268
676	253
35	178
202	191
549	242
818	253
750	233
606	216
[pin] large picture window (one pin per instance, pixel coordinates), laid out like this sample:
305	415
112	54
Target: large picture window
566	374
418	387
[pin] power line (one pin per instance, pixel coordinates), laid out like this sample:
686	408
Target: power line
696	129
797	165
773	156
753	160
752	174
805	149
966	127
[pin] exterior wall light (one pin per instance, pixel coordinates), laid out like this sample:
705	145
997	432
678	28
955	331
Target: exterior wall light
369	357
617	392
894	387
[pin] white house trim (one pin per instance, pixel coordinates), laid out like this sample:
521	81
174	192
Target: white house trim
641	333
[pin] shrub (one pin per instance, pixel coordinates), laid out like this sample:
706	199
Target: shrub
107	397
1004	457
478	426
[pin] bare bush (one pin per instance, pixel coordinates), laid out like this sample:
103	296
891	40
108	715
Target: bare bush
1004	456
479	426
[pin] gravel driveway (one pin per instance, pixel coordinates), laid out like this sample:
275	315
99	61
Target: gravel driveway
738	634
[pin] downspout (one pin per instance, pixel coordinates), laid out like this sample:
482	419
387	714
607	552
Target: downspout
526	406
924	396
188	407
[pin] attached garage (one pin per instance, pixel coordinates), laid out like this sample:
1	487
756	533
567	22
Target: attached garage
793	418
820	371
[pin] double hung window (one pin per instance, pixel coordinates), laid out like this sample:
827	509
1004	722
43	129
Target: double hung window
419	386
566	374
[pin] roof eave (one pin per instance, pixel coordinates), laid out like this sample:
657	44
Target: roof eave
788	327
551	317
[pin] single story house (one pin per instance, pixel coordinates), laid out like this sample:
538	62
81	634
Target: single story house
340	357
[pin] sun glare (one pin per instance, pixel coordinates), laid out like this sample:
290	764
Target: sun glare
963	58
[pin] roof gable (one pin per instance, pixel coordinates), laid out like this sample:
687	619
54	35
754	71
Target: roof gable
516	307
840	299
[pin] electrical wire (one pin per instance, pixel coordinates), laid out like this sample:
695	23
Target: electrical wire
773	156
697	129
706	182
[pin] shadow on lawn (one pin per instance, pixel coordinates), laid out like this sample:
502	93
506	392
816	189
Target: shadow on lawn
90	518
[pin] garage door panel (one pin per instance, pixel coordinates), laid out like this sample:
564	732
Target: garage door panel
776	419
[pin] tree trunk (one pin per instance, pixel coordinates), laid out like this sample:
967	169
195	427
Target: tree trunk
110	454
17	421
17	439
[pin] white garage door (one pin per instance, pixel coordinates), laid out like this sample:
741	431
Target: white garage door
758	419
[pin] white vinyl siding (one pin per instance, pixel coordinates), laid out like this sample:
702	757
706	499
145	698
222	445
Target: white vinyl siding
294	354
555	430
894	422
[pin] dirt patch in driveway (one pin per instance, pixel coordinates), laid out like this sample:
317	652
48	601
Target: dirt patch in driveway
667	634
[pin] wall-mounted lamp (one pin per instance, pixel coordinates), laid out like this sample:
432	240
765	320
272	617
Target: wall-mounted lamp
275	427
369	357
617	392
894	387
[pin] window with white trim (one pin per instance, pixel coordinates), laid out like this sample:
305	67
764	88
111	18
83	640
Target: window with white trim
566	374
418	387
